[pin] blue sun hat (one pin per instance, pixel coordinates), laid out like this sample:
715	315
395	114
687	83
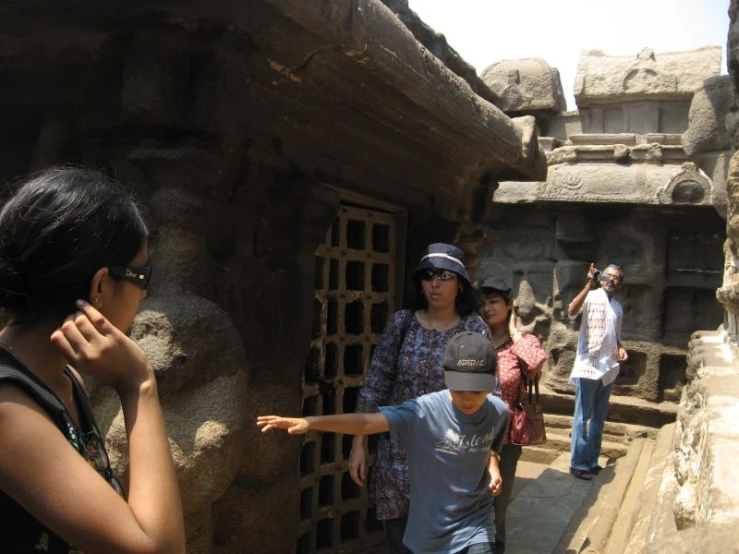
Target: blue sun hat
440	255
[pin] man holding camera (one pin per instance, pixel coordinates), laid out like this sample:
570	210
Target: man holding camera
599	355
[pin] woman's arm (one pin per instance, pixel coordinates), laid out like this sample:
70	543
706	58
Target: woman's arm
530	353
40	470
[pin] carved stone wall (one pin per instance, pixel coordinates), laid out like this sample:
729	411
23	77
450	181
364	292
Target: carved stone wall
672	262
238	125
621	188
696	504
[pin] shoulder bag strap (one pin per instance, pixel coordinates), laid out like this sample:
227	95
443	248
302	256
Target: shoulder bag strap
37	389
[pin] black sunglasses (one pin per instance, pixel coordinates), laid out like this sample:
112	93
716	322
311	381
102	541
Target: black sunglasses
139	276
440	274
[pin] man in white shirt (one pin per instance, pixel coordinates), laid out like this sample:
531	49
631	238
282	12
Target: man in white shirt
599	355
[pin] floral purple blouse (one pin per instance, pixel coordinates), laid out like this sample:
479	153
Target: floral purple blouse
417	372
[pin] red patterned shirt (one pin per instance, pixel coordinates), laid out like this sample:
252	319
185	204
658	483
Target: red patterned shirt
526	355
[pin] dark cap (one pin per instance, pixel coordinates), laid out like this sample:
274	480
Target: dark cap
469	363
440	255
496	282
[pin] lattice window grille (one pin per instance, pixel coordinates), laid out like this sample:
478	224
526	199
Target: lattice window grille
355	280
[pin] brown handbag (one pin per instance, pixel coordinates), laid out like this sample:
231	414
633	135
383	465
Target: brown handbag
527	417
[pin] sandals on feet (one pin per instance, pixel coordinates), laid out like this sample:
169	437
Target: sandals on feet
581	474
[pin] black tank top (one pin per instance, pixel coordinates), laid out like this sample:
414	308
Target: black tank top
22	533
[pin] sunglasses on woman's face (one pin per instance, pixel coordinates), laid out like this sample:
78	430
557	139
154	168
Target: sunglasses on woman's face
440	274
139	276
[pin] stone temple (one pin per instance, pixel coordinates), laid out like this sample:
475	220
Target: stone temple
295	157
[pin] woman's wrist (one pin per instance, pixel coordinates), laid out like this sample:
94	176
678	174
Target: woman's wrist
144	385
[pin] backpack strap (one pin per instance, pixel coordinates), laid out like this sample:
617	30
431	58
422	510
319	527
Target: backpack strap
37	390
50	403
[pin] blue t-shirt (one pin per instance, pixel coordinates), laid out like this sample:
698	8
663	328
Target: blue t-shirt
448	453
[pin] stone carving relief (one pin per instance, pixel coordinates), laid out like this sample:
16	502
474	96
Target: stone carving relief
669	75
728	294
690	186
525	85
645	75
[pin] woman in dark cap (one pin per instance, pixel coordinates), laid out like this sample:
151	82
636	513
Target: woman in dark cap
518	354
407	364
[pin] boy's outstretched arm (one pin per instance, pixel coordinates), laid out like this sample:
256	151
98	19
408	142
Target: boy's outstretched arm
350	424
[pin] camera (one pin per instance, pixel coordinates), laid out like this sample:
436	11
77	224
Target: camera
598	276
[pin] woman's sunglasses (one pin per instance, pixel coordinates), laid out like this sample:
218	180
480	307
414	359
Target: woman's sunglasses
440	274
139	276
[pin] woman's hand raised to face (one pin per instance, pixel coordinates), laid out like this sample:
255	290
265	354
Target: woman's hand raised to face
512	328
96	347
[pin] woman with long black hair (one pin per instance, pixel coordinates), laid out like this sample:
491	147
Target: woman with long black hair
74	267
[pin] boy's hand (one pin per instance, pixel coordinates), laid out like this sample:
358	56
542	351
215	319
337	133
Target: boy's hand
496	484
293	425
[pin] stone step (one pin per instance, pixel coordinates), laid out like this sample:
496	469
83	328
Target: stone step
539	454
540	513
615	430
559	441
656	496
603	522
627	512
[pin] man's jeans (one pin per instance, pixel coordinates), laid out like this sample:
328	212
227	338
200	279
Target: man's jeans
591	408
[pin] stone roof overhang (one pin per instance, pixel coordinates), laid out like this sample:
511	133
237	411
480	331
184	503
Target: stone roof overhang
340	91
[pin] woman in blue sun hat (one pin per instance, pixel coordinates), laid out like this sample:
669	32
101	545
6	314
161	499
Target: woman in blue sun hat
406	364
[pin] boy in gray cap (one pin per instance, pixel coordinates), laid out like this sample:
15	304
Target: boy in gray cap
452	438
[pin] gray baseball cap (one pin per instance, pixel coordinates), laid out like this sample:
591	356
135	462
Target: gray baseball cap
498	283
469	363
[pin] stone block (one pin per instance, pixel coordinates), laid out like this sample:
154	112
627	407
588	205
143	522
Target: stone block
707	117
525	85
562	126
639	376
673	377
562	347
533	244
667	75
641	117
686	309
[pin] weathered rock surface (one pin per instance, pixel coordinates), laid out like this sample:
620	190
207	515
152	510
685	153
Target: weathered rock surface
707	118
525	85
694	501
200	364
664	75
